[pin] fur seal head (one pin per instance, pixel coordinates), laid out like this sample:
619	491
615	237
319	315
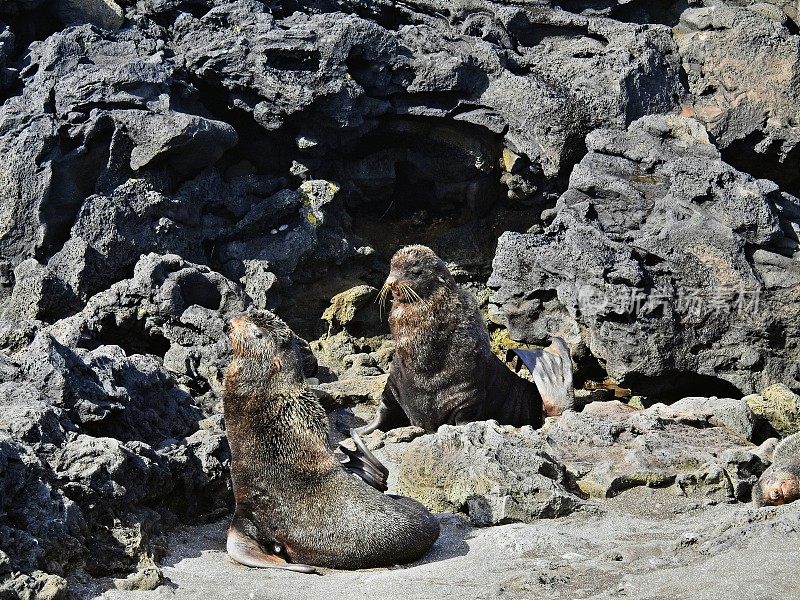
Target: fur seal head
416	273
778	485
264	336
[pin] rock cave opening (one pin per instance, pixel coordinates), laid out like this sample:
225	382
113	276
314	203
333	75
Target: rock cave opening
416	181
680	384
196	289
132	336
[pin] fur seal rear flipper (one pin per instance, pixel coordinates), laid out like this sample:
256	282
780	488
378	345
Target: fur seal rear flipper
246	551
364	464
551	368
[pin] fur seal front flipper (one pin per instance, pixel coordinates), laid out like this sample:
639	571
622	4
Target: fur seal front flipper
551	368
248	552
389	414
365	464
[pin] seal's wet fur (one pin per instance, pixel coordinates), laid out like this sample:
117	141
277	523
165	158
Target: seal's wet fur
294	501
443	370
780	483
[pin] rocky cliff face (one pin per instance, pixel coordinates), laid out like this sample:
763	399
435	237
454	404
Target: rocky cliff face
621	173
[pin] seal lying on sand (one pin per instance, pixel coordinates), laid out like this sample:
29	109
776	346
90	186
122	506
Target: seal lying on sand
296	505
780	483
443	370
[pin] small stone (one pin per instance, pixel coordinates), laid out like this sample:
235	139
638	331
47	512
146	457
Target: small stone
346	306
298	169
305	142
144	580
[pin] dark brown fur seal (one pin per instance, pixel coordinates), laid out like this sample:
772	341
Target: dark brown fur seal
443	370
780	483
296	506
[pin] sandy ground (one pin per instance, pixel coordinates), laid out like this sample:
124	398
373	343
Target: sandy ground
642	544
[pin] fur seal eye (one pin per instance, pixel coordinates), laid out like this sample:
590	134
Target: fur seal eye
775	495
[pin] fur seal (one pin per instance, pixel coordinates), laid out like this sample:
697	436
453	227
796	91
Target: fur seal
296	505
780	483
443	370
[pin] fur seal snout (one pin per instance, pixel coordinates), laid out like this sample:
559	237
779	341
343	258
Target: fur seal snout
443	370
296	506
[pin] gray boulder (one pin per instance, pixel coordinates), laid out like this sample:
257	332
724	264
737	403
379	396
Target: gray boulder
266	239
73	499
41	525
171	308
778	405
742	68
658	447
540	93
95	110
492	473
108	393
672	269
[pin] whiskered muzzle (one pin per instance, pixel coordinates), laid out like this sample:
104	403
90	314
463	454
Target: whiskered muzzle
400	290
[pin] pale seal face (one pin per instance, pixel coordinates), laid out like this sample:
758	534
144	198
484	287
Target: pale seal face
778	486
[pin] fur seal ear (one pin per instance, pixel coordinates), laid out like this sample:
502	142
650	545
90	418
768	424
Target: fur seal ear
248	552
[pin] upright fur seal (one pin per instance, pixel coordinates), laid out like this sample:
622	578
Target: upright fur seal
443	370
780	483
296	506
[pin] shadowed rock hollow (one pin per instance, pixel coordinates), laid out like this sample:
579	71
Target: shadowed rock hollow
620	173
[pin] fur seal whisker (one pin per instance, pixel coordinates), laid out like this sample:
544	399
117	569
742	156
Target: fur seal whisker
381	299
